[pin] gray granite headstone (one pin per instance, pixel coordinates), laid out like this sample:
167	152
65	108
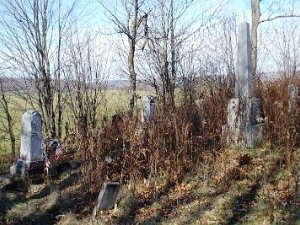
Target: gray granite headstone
233	120
245	112
107	197
243	87
293	96
19	168
148	108
31	136
31	141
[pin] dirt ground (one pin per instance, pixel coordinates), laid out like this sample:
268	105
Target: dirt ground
236	187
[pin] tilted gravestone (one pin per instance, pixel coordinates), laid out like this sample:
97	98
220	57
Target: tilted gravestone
148	108
107	197
31	156
245	114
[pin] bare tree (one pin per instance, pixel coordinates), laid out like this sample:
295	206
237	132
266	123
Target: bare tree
130	26
31	47
86	75
4	99
283	47
169	37
274	11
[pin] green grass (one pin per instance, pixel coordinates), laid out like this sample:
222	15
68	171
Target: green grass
113	102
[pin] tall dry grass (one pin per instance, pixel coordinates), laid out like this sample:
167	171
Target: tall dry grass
179	137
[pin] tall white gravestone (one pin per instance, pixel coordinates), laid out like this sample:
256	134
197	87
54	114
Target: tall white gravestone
245	114
31	156
148	108
293	96
243	87
31	137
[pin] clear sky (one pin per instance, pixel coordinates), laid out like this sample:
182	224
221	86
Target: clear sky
91	14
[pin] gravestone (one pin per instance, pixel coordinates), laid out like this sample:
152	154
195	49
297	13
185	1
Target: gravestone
245	113
107	197
31	157
31	137
148	108
293	96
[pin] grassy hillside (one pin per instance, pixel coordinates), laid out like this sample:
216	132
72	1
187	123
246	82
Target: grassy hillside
173	170
232	187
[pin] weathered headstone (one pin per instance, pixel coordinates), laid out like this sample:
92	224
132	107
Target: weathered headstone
293	96
245	113
243	87
148	108
18	168
107	197
31	137
31	156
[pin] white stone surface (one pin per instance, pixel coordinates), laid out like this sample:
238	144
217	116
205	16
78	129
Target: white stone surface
293	96
148	108
243	86
233	120
31	137
245	112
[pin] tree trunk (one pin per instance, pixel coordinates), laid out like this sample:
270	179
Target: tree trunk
131	67
59	103
132	76
9	121
173	55
164	54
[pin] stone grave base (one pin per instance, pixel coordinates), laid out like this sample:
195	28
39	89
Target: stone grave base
255	135
238	134
23	168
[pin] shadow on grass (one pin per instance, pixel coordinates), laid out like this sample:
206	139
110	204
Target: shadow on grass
243	204
70	181
133	204
189	217
7	201
37	218
43	193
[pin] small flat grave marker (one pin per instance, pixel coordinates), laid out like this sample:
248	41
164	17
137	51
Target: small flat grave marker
107	196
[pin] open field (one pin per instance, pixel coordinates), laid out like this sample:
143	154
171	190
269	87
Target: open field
114	102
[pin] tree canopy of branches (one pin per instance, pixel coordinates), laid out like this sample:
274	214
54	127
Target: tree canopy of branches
31	35
131	26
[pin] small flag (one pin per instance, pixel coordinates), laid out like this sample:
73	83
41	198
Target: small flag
58	150
47	164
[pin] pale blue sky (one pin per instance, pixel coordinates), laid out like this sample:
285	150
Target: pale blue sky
241	8
92	15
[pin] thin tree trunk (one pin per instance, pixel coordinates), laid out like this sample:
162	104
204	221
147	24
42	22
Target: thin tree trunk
132	76
132	43
173	55
164	54
9	121
59	103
